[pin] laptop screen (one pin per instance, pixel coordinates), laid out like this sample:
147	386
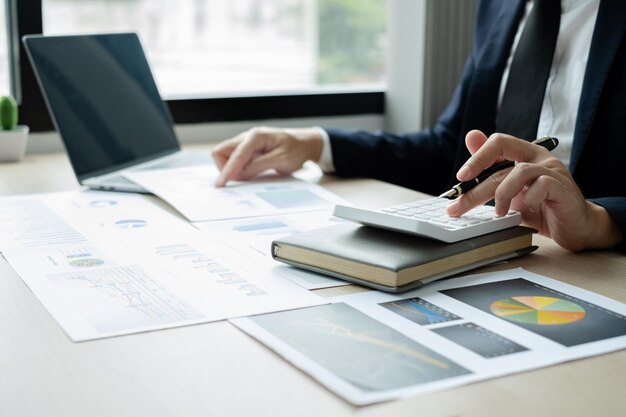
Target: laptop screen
103	99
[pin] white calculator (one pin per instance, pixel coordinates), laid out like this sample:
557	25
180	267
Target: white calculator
428	218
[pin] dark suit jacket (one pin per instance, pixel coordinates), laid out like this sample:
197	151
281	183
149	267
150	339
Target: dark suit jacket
428	160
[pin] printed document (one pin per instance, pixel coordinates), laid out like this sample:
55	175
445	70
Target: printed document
191	191
374	346
252	237
107	264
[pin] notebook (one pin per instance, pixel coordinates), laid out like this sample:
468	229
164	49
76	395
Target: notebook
106	106
393	261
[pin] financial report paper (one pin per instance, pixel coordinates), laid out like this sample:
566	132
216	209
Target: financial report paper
192	192
373	346
252	237
107	264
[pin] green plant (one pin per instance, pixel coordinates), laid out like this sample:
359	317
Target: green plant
8	113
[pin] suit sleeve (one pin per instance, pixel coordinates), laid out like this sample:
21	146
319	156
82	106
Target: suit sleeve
616	207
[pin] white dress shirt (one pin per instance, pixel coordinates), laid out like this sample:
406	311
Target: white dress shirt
560	104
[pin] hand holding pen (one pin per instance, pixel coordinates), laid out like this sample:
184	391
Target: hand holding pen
546	141
539	186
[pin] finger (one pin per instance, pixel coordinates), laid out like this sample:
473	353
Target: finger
545	188
261	164
240	157
474	140
234	164
478	195
222	152
498	147
521	176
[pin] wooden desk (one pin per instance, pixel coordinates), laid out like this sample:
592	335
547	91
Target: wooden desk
215	370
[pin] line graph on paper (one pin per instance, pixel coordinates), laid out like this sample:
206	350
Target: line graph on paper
122	298
359	349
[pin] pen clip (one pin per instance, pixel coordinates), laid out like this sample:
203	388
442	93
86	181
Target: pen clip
547	142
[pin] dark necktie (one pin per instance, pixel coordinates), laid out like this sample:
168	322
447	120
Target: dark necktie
528	75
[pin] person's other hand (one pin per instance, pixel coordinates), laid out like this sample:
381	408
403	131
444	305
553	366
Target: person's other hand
539	186
261	148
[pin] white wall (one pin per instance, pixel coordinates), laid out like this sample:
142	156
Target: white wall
407	22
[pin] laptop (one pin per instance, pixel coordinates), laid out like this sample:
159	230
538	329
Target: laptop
105	104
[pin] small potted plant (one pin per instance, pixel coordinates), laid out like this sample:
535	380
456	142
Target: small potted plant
13	137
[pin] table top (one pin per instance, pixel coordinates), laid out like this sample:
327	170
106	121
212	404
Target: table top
213	369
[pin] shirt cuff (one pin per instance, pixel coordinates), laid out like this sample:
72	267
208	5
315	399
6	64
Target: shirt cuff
326	159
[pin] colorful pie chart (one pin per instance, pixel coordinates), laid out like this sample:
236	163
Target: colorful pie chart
547	311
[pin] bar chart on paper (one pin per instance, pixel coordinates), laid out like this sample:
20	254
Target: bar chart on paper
252	237
192	259
30	223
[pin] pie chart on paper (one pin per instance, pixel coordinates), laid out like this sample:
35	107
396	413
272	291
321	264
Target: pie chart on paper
538	310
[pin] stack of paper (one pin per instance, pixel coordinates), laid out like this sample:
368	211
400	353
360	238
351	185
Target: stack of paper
106	264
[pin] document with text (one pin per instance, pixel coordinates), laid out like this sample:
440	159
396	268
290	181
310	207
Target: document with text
252	237
107	264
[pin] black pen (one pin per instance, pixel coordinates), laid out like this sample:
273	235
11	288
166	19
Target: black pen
546	141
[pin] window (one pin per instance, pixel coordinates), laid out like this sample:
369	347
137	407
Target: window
216	47
205	48
347	73
4	52
229	60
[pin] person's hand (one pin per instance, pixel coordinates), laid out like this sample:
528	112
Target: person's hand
539	186
261	148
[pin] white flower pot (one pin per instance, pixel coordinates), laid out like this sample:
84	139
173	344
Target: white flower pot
13	143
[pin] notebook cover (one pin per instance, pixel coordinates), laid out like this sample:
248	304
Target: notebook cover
390	250
387	249
417	283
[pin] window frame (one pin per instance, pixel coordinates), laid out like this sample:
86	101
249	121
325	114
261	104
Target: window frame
28	16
